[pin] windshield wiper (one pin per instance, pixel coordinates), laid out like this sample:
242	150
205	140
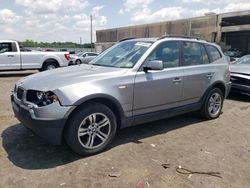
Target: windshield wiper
96	64
102	65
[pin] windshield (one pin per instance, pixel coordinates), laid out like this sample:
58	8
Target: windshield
244	60
122	55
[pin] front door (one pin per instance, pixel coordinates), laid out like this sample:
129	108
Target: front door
159	90
9	57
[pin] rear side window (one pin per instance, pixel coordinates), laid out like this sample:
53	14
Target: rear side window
204	55
213	53
168	53
194	54
13	46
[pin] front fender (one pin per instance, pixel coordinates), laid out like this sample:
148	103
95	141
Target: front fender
97	96
76	94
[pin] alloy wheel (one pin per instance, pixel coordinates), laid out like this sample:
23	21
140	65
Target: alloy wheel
94	130
215	104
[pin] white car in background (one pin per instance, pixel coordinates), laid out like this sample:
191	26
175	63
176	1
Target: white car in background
82	57
240	75
14	57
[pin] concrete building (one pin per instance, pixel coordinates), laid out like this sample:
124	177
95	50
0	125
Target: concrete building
229	30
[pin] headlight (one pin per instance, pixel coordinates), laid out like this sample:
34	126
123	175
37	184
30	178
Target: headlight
41	98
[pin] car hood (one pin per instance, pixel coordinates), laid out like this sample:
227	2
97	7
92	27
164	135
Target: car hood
54	79
240	68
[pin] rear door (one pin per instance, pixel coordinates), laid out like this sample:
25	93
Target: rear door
159	90
89	56
9	57
198	71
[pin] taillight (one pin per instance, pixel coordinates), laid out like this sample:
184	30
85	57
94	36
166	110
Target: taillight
67	56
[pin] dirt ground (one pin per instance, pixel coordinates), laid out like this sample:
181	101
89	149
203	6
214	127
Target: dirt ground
135	159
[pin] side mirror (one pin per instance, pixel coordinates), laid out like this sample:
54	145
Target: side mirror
153	65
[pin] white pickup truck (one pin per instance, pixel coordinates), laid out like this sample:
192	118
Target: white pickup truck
13	58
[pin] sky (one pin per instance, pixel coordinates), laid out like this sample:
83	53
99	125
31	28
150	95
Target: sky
69	20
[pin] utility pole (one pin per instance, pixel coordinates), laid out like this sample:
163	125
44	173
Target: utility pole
91	32
189	28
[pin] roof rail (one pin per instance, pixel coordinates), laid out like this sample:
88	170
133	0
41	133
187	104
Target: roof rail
179	36
125	39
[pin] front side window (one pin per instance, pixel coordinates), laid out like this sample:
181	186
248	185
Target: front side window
168	53
5	47
122	55
213	53
194	54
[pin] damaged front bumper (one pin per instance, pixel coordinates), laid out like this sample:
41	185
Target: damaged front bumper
47	121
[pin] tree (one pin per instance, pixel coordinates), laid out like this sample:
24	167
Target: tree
31	43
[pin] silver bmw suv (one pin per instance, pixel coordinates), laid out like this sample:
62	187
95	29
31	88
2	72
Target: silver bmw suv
133	82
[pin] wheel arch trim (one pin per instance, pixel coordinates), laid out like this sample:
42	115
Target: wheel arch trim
215	84
50	60
98	98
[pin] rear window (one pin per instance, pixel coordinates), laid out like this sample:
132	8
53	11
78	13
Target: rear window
213	53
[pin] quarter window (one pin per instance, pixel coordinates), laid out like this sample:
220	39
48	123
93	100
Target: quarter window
213	53
168	53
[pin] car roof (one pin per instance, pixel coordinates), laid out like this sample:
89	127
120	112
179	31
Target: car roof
8	41
140	39
166	38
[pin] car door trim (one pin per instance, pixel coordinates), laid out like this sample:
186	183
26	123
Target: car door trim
154	116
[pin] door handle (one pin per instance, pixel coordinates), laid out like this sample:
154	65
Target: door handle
177	80
10	55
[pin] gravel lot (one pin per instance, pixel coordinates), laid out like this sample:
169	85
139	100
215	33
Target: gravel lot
136	157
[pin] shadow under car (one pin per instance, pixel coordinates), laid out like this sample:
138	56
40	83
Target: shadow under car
28	151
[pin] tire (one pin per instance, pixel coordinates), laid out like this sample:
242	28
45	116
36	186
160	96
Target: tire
78	62
213	103
92	122
49	66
